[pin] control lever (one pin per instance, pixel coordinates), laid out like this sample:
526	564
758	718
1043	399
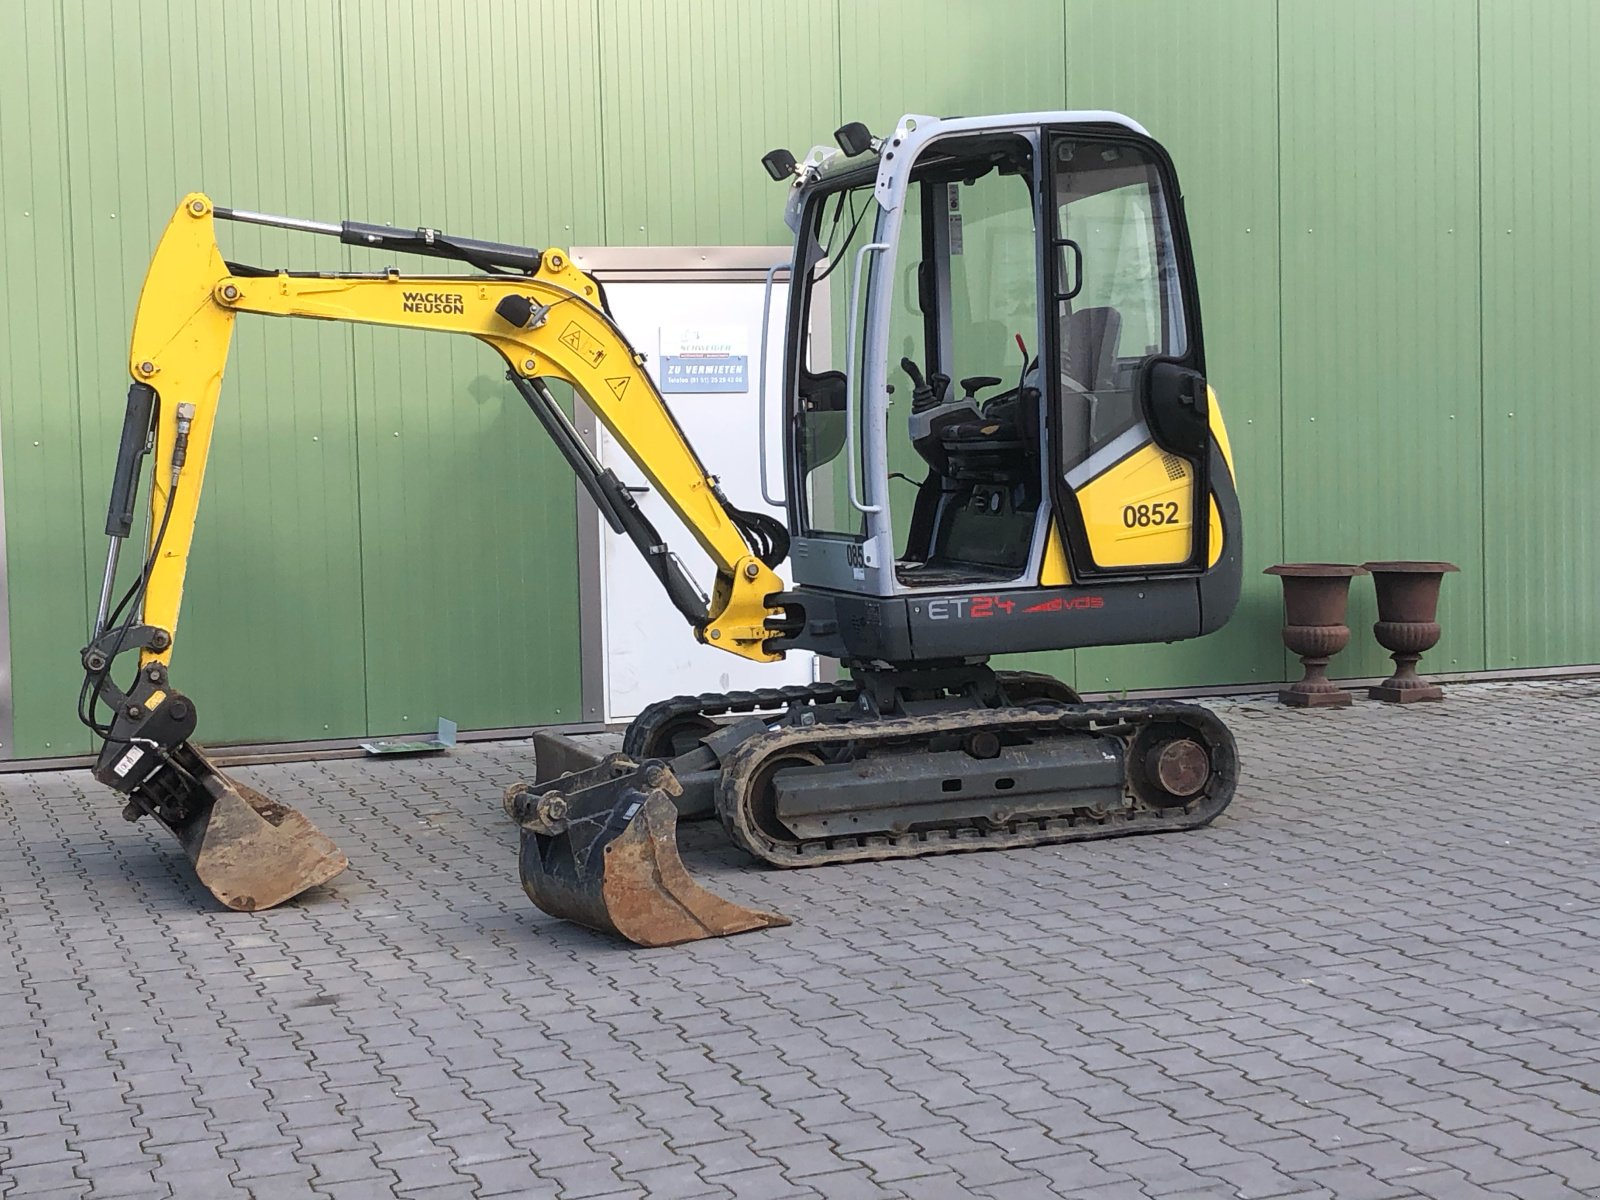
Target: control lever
925	394
972	383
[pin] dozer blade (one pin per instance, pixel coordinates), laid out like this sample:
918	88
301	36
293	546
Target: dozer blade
600	848
251	852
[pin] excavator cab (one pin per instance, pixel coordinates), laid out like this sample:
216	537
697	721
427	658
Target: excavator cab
1011	400
1000	439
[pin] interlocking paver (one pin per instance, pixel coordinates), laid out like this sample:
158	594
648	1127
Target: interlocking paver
1372	978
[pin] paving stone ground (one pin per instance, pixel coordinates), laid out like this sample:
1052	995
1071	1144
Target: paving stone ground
1377	975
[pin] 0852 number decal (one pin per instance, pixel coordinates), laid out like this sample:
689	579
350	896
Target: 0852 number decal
1142	516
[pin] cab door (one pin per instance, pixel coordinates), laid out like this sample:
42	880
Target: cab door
1128	420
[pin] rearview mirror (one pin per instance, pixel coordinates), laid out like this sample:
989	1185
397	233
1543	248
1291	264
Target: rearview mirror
1177	407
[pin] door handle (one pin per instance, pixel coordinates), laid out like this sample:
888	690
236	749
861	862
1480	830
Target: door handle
761	387
850	385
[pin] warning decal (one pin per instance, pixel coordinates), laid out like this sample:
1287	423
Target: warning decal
618	384
576	338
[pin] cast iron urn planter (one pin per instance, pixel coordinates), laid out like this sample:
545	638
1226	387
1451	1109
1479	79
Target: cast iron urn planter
1408	605
1314	600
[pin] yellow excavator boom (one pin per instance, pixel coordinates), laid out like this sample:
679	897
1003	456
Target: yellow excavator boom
184	325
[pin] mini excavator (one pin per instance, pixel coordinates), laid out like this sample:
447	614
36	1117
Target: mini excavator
998	438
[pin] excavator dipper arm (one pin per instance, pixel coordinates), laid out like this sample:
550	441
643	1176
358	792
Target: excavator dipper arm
547	320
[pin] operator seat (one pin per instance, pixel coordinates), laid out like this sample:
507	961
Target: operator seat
1089	339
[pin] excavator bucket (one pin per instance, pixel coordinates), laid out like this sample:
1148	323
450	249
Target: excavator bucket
254	853
600	847
251	852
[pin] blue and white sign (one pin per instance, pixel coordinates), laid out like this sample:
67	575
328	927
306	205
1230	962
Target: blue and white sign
704	360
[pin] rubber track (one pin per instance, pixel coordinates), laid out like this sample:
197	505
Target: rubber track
642	730
1037	721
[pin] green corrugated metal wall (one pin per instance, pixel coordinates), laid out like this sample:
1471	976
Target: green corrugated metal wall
1392	208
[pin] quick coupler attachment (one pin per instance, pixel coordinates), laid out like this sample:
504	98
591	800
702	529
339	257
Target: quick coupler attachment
249	851
599	847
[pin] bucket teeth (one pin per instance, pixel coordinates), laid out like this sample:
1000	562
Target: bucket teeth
251	852
600	848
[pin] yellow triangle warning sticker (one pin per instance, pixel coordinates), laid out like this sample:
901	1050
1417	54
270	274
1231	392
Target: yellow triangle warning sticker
618	384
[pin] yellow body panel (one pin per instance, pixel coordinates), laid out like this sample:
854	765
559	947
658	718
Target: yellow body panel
180	345
1119	533
1140	512
1219	431
1219	434
1055	572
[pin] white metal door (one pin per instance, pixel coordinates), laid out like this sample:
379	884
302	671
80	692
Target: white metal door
703	344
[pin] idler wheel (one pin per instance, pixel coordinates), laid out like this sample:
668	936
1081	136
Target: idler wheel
1167	765
1180	766
679	735
763	796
